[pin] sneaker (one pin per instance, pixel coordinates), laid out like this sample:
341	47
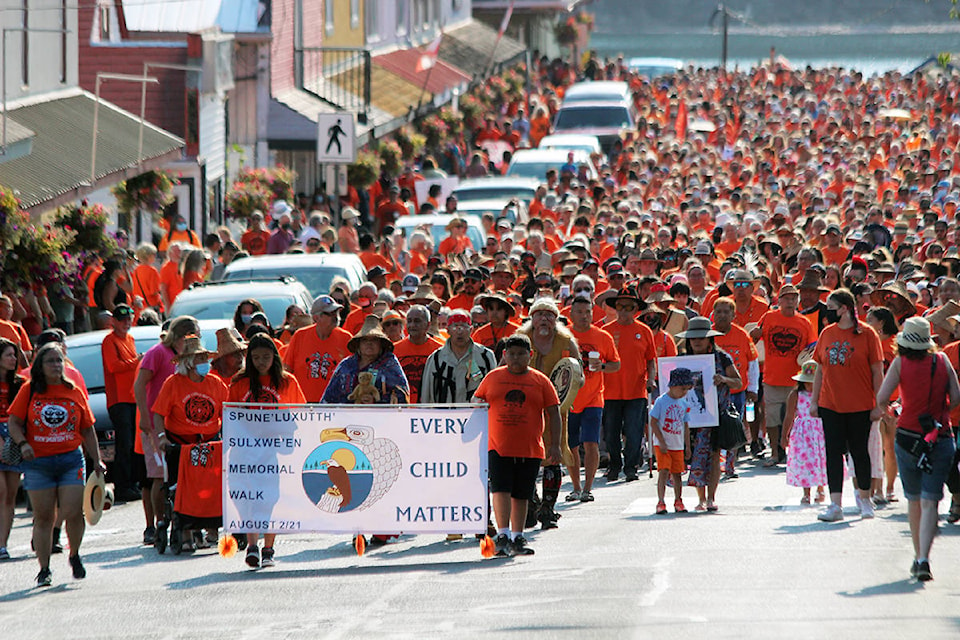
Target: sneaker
914	569
502	545
866	509
630	477
4	554
519	547
44	578
267	559
149	536
573	496
923	571
833	513
78	571
612	476
661	508
253	556
678	506
586	496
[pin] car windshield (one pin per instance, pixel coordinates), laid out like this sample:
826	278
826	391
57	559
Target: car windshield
536	170
502	193
316	279
592	117
204	308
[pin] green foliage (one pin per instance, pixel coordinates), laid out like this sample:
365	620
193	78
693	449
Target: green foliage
150	191
365	171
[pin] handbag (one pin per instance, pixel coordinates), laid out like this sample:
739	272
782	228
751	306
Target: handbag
731	435
10	454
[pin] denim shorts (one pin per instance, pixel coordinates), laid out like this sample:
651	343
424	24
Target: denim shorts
919	485
50	472
584	426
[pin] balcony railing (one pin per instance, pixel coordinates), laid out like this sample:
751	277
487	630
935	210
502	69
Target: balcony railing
338	75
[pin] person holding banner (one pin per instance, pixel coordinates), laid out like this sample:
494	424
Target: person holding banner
263	381
518	396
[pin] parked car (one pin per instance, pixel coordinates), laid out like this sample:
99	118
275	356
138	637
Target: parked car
219	300
534	163
571	142
653	67
608	121
599	90
503	188
437	223
315	270
84	350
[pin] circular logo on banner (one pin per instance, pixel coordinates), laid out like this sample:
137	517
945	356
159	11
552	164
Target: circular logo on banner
54	416
199	408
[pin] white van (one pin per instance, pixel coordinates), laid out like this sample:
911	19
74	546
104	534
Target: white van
571	142
598	91
608	121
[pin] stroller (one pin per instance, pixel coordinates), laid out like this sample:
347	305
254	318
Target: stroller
193	474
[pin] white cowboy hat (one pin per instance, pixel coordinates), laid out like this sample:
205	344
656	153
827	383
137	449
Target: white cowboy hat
915	334
94	494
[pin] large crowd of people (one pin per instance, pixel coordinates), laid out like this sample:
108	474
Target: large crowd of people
798	225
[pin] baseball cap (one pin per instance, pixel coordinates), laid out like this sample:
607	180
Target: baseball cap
376	272
324	304
410	283
123	311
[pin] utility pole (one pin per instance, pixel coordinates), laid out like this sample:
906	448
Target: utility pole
724	24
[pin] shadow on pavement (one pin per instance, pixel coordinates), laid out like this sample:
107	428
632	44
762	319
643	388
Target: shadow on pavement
34	592
242	574
891	588
814	527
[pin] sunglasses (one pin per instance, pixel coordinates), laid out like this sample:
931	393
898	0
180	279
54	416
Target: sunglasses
741	285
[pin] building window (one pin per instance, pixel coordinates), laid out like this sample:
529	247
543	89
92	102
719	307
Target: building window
328	17
371	16
403	16
64	41
25	39
354	14
104	23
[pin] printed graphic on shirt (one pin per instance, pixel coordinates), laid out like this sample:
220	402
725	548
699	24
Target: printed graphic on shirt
839	352
54	416
57	419
674	417
785	340
266	395
515	398
199	408
321	365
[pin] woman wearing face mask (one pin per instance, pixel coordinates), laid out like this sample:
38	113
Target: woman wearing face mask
848	378
178	232
189	408
243	316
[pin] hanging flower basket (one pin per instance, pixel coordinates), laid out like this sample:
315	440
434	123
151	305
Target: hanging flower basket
12	219
435	130
566	32
365	171
149	192
391	158
87	223
258	188
454	121
411	143
472	108
39	255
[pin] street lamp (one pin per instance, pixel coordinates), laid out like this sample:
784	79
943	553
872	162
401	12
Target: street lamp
125	77
3	70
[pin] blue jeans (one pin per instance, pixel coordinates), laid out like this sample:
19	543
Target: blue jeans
624	419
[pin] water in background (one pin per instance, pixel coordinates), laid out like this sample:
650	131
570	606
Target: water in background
872	43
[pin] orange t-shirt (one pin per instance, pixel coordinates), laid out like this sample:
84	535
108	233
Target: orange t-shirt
189	277
191	409
371	259
255	242
120	362
593	339
355	319
289	392
455	245
834	257
146	284
170	276
952	351
515	417
758	307
313	360
186	237
53	420
413	358
461	301
488	336
635	344
740	347
783	340
16	334
664	344
846	359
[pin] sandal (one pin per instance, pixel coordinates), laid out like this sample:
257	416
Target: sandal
805	501
712	507
892	497
954	514
573	496
821	497
770	462
701	507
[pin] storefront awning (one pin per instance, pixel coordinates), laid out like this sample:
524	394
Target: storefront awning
439	80
471	46
57	169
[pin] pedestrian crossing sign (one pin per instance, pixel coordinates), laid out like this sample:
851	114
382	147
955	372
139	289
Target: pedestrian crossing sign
336	138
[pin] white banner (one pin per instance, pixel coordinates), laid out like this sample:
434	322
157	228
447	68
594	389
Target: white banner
354	469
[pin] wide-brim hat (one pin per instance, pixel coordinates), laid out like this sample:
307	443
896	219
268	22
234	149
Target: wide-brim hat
807	372
371	329
229	341
894	296
811	281
94	494
192	346
699	327
915	334
943	317
423	295
484	298
629	294
659	294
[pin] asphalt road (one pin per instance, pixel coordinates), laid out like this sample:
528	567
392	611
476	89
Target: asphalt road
761	567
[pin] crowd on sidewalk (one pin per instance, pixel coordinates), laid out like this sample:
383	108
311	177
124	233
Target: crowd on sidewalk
807	239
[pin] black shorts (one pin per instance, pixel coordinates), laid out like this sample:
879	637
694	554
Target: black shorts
516	476
140	471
